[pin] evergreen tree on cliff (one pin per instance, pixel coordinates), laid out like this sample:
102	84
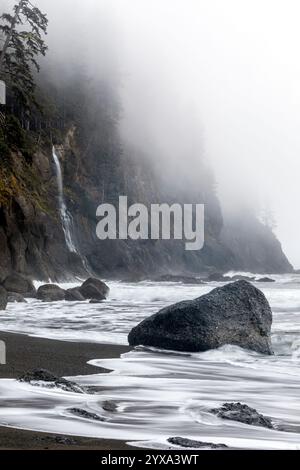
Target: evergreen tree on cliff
21	34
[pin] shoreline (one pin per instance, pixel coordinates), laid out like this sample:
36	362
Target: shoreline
25	353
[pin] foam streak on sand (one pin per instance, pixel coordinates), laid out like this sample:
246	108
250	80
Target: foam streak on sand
162	394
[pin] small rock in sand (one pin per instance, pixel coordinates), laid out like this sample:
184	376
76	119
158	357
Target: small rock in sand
189	443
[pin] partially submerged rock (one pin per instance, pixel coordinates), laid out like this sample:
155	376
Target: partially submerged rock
94	289
74	295
85	414
240	277
110	406
243	414
191	444
3	298
237	314
265	279
218	277
19	284
43	375
51	293
13	297
184	279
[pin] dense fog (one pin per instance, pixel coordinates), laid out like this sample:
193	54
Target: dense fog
199	79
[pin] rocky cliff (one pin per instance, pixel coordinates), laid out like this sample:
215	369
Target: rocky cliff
98	167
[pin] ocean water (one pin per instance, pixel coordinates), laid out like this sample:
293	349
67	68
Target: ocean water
161	394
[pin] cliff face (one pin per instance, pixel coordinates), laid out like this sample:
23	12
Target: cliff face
94	175
31	236
254	246
97	168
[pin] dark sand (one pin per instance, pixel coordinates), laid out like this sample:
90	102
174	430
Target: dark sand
63	359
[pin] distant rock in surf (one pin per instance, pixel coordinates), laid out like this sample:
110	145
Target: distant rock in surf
218	277
3	298
189	443
13	297
94	289
184	279
265	279
237	314
51	293
74	295
43	375
240	277
19	284
243	414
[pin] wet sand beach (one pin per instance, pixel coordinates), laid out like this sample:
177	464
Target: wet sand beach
25	353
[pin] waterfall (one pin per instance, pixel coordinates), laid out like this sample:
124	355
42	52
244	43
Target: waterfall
66	218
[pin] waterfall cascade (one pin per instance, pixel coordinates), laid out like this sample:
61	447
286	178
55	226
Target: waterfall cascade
66	218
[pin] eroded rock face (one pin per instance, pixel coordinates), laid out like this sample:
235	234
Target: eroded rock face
94	289
237	314
3	298
243	414
19	284
51	293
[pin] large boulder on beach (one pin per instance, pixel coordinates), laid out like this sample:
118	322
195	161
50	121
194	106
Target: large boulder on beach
3	298
19	284
51	293
237	314
94	289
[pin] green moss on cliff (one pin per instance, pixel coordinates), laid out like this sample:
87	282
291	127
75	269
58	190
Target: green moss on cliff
18	175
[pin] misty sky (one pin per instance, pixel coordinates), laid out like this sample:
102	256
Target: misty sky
219	76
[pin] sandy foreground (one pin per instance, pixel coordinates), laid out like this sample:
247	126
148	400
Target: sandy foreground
25	353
